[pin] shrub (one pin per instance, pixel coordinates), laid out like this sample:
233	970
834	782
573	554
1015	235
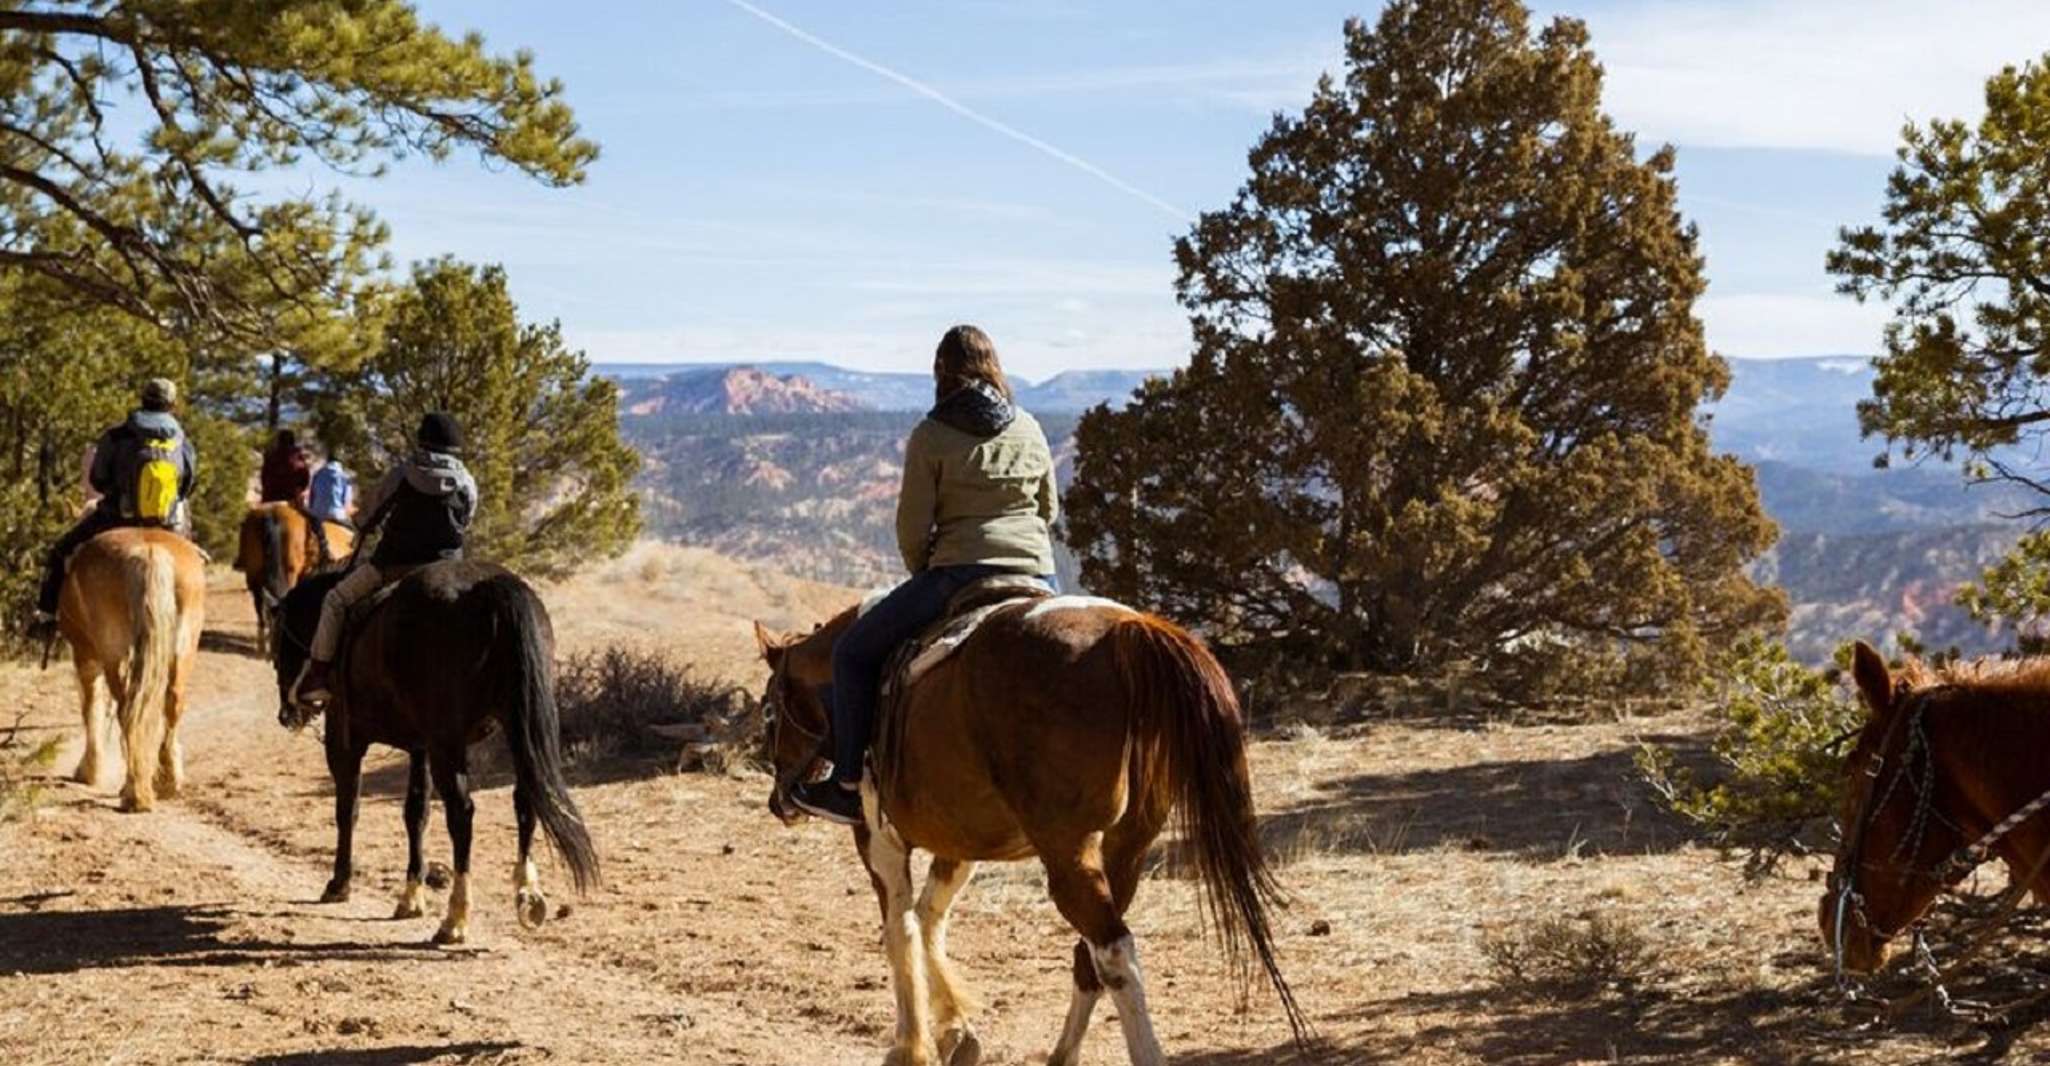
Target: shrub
1777	728
623	703
19	792
1569	958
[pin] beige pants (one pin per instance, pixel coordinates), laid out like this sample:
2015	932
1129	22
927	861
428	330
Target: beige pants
334	610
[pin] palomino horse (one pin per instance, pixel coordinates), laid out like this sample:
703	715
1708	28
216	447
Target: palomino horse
132	606
459	650
1949	771
278	549
1067	730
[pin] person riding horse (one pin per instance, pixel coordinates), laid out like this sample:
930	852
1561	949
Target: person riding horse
145	470
423	509
286	471
978	499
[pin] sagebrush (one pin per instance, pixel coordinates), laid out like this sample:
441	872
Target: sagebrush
19	767
625	703
1569	958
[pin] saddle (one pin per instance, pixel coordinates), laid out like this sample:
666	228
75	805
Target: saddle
965	613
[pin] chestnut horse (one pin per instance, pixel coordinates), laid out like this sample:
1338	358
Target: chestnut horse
278	549
1067	730
131	608
459	650
1949	771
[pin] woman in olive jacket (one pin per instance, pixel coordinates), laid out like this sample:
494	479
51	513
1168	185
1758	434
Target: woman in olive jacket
978	500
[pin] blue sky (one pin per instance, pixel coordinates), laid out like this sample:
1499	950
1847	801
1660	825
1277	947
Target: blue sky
760	197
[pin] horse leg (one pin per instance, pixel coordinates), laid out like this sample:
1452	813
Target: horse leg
889	868
256	598
528	901
950	1003
411	903
91	767
171	756
451	770
345	766
1082	891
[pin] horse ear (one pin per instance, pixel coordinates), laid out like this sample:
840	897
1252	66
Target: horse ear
1868	668
771	644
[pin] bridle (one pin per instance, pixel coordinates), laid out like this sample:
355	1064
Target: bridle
777	718
1918	768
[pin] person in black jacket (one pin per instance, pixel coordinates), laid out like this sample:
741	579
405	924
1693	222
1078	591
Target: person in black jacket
150	432
420	514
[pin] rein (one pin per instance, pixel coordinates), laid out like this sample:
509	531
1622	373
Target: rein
1960	863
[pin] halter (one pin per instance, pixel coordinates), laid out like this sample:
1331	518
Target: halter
776	721
1850	904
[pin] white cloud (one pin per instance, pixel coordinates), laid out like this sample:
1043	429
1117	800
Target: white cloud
1768	325
1825	74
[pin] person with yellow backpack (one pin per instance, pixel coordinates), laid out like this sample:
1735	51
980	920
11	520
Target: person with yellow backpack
144	469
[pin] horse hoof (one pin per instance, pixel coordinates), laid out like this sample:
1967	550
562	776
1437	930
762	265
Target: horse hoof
87	774
959	1047
407	908
133	804
336	892
449	934
909	1056
533	908
169	787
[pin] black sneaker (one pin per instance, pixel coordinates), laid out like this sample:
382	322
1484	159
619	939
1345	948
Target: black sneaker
826	799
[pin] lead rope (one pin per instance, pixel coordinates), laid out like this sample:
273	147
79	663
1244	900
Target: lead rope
1987	930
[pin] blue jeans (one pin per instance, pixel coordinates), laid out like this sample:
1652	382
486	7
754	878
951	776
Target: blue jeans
862	652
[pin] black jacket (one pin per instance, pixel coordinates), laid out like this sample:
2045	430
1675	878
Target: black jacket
423	508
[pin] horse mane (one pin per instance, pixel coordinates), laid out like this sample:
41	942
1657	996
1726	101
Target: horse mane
1982	676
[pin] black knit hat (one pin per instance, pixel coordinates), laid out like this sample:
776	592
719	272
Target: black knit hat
438	432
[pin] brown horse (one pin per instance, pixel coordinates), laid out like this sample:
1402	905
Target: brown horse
277	549
1949	771
460	650
1067	730
131	608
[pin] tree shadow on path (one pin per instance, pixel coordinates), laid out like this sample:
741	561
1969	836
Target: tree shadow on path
51	942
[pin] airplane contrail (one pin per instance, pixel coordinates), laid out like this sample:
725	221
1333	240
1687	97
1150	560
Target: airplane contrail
965	111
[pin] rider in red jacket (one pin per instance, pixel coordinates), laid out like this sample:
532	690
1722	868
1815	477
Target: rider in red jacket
286	470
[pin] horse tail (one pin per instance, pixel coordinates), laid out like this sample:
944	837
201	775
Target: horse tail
151	576
273	557
1188	712
533	730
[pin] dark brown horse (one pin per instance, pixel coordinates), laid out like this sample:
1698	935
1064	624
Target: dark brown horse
1949	771
459	650
1066	730
278	548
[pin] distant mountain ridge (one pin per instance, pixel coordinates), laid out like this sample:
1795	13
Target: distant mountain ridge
1068	392
801	470
740	390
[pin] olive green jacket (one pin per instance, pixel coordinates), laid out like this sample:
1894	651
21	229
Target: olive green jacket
969	499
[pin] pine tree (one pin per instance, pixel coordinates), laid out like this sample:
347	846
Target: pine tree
542	434
1443	398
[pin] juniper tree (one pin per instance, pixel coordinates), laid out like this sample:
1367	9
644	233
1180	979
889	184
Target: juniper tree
1443	400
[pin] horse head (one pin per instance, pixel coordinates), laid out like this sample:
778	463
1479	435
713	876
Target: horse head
291	642
794	717
1889	866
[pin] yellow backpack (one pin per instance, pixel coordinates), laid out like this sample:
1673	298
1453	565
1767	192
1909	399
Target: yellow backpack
156	488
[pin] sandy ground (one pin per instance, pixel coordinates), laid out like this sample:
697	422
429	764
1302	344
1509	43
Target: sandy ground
189	935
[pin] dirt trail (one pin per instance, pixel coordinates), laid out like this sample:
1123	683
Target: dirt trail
188	935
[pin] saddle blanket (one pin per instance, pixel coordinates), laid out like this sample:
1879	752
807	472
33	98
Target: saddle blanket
937	647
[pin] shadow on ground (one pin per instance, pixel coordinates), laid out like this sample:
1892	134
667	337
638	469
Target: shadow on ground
49	942
224	643
397	1055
